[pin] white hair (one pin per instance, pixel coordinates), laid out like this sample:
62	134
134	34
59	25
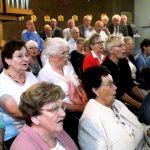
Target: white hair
116	16
112	39
31	43
105	18
54	45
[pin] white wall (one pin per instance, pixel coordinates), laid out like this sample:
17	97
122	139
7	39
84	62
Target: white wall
142	12
142	21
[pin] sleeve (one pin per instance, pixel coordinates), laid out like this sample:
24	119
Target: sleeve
139	64
91	135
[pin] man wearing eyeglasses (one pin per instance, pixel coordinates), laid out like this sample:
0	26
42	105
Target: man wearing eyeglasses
121	73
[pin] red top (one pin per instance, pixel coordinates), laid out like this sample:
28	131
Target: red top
90	60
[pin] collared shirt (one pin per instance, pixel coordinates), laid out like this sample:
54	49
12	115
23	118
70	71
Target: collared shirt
98	126
72	45
49	75
142	61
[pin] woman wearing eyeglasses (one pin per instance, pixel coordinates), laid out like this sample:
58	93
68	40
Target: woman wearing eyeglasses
43	111
59	71
127	90
106	123
96	56
14	80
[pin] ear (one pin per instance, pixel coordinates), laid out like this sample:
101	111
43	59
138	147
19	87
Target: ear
7	61
95	91
109	51
35	120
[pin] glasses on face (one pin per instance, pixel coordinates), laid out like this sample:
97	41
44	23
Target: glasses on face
33	48
99	42
21	56
55	109
110	84
120	46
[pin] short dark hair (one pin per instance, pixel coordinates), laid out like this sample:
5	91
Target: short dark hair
145	42
35	97
9	49
92	78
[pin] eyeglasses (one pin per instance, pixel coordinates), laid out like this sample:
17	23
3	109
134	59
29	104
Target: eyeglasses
99	42
33	47
55	109
21	56
120	46
110	84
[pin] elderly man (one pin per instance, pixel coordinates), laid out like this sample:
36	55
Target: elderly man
124	22
31	34
67	31
86	28
121	73
98	28
74	36
106	123
47	33
116	27
56	31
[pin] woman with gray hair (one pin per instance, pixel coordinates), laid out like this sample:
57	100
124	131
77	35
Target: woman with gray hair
32	48
43	111
116	62
59	71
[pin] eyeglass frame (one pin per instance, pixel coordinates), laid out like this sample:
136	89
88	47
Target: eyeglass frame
55	109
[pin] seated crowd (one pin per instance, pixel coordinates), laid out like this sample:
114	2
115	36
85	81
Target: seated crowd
77	88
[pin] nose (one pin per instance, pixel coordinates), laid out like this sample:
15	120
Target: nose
115	87
62	112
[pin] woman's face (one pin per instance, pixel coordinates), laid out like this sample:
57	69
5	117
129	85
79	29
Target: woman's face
62	57
19	60
97	45
129	47
52	117
107	91
33	51
118	50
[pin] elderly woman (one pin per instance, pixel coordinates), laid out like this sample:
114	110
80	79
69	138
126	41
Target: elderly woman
32	48
128	54
14	80
43	111
59	71
127	90
106	123
95	57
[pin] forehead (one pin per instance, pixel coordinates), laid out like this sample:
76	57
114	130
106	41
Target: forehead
107	78
118	41
51	104
22	50
30	23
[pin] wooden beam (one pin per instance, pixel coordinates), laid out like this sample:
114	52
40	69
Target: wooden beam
19	11
1	31
8	17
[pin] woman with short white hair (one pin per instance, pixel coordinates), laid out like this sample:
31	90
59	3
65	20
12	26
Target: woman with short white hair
32	48
59	71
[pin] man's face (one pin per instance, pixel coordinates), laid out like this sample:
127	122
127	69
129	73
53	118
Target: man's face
116	22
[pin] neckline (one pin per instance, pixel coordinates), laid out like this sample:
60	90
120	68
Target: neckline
11	77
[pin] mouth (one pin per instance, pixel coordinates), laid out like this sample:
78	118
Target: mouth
61	121
25	65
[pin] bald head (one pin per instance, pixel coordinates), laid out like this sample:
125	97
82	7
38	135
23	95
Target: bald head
98	26
75	33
